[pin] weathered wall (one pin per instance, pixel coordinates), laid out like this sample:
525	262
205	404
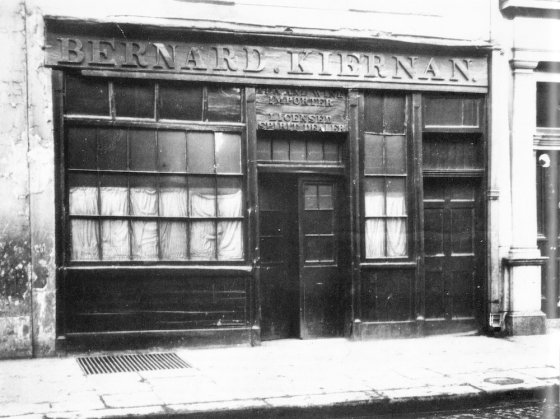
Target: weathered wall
41	185
15	256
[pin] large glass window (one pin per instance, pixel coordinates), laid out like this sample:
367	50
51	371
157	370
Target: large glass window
156	191
385	177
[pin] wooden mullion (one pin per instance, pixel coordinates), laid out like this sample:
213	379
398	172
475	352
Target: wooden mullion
158	188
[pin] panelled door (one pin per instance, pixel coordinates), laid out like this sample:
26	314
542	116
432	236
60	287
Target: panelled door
453	248
319	258
300	250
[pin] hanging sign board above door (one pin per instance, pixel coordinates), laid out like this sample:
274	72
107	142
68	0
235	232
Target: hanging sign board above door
298	109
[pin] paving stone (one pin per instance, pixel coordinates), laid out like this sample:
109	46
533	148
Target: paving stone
429	392
227	405
132	399
18	409
315	400
108	413
78	402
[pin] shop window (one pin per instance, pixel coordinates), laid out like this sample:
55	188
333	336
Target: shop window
548	103
298	147
385	178
155	193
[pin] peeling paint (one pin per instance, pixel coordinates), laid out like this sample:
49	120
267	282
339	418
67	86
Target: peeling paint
15	259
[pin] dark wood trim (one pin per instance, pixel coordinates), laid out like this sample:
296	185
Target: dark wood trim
420	282
254	296
388	264
302	169
199	269
451	129
161	338
453	173
60	233
355	134
152	124
536	261
289	81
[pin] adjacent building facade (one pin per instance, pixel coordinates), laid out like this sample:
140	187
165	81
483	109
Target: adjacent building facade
208	173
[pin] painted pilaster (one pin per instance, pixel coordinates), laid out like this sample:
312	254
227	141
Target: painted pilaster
523	262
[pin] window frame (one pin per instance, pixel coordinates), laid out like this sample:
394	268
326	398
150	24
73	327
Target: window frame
408	183
155	124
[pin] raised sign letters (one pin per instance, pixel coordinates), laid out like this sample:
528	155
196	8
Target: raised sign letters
254	64
301	110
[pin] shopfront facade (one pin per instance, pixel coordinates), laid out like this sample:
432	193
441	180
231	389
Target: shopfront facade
230	192
212	185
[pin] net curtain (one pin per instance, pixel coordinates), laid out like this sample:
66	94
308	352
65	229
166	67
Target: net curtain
208	238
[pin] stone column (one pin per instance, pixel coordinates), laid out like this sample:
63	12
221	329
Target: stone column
524	315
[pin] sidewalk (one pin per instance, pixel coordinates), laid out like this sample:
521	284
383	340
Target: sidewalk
290	376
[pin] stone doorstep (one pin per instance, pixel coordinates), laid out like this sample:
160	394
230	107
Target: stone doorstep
407	400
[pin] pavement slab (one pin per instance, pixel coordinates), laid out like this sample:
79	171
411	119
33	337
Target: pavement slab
291	374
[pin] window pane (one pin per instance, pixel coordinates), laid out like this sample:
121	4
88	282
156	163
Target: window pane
228	152
548	101
172	151
85	239
230	240
314	150
200	152
144	240
82	194
396	237
115	240
373	154
224	104
297	150
142	145
331	151
81	148
112	149
280	149
173	240
114	195
374	113
134	98
318	222
374	196
393	114
230	197
202	197
180	101
143	196
173	196
319	248
310	197
264	151
395	153
202	240
375	238
396	197
325	197
87	96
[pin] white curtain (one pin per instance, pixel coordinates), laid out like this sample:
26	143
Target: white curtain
202	233
85	238
173	235
115	240
115	235
375	227
230	233
143	201
85	233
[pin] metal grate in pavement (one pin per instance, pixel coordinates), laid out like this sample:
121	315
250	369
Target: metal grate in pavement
109	364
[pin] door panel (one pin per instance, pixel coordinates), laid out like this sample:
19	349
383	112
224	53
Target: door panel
279	276
451	220
319	268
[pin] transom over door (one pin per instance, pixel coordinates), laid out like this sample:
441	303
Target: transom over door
453	245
